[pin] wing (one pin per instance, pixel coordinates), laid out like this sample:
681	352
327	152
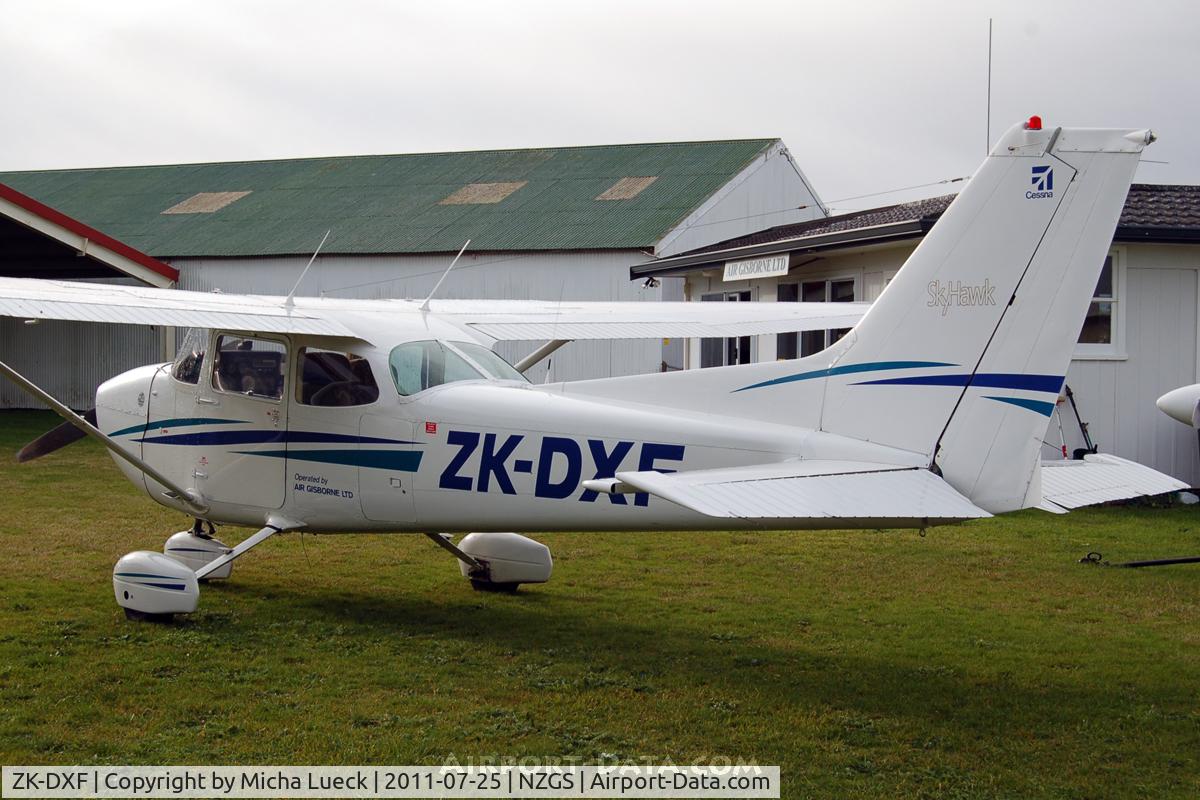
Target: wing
29	298
498	320
532	320
856	492
1100	478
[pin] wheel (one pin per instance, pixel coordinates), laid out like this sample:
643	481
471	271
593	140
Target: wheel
142	616
488	586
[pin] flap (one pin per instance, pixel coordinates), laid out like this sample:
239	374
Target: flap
811	489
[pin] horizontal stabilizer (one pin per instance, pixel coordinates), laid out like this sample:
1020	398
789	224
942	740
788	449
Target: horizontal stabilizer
1100	478
849	490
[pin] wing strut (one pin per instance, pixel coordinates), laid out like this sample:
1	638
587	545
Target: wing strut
537	355
444	543
275	524
188	497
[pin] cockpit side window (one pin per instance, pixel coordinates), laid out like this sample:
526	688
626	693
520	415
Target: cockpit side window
250	366
189	362
331	378
417	366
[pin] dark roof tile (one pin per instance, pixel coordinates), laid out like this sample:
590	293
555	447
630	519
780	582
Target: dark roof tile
1166	207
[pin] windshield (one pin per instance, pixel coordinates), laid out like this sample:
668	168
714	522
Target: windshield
416	366
190	361
492	364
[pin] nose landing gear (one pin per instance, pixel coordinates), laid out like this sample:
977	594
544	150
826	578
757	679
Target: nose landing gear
155	586
197	547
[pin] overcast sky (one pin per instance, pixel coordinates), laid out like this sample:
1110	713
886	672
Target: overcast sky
869	96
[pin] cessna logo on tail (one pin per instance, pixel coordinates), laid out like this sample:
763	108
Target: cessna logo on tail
1042	178
957	293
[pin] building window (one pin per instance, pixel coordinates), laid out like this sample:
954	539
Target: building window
1102	332
718	352
791	345
787	344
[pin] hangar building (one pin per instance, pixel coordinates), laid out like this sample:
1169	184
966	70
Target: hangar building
549	224
1140	340
37	241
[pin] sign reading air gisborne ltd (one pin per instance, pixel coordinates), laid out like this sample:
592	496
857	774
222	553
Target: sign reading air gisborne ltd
756	268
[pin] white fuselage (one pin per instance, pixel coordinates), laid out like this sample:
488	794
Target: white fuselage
471	455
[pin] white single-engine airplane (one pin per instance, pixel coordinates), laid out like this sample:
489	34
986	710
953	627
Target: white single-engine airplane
393	416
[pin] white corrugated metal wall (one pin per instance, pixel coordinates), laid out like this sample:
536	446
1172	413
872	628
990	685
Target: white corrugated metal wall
70	359
770	191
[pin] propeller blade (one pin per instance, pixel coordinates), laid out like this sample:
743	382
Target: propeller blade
55	439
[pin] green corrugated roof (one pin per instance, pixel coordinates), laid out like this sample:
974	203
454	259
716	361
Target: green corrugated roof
391	204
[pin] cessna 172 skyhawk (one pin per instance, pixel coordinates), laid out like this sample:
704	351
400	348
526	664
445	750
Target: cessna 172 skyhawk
329	415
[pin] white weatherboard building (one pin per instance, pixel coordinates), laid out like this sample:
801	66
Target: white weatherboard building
1140	340
548	224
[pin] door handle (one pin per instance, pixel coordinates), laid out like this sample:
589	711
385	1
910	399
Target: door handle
208	401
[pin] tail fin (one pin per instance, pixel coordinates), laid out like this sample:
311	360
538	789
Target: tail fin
963	355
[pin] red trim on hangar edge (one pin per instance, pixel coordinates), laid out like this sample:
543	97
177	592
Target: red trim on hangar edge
91	234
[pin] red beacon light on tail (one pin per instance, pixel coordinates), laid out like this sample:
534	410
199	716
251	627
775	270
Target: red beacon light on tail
1034	123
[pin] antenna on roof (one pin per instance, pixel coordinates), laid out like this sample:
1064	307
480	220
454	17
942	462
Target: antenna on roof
290	301
988	144
438	285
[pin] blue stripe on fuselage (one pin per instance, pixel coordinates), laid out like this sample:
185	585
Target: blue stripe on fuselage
398	460
217	438
983	380
1040	406
184	422
847	369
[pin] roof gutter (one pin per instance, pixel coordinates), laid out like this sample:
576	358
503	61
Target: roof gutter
837	240
1157	235
879	234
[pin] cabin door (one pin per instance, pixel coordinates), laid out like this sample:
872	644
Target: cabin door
333	390
232	422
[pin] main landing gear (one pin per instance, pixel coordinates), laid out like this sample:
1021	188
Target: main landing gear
498	562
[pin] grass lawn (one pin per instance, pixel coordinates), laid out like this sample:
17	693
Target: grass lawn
979	661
